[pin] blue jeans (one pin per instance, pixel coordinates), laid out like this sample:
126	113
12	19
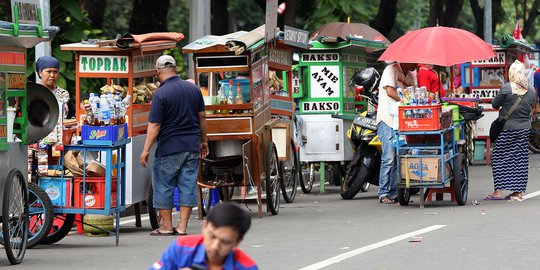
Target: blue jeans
388	176
176	170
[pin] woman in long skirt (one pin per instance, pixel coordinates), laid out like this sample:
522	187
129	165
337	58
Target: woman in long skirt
510	160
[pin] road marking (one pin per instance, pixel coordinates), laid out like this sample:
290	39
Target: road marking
365	249
531	195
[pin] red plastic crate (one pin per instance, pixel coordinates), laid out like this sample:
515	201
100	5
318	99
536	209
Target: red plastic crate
95	192
416	118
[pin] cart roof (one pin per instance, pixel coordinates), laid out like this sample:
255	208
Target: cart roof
28	36
110	46
331	43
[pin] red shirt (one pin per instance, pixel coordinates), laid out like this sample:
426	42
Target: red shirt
428	78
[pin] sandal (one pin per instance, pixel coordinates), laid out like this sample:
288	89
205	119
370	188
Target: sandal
178	232
387	201
156	232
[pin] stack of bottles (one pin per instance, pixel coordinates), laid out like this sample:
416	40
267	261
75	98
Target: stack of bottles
227	97
107	109
411	96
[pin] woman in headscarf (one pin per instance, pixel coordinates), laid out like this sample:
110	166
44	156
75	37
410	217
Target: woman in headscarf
510	159
47	68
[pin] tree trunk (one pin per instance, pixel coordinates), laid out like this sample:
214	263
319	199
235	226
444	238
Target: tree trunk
96	11
436	12
528	25
386	17
220	18
291	12
478	13
451	13
149	16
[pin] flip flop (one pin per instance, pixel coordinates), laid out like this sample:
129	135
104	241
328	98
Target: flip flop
516	199
387	201
179	233
493	198
156	232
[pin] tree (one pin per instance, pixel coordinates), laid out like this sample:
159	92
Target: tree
149	16
478	12
96	11
444	13
386	17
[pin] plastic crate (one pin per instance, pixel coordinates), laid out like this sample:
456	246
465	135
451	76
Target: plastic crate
104	135
422	118
58	189
95	192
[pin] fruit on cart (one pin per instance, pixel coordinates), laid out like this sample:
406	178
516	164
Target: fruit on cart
143	92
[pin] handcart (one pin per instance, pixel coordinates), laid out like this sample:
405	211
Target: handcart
432	160
248	140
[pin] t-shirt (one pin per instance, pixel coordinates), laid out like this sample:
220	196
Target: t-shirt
176	106
429	78
188	250
392	76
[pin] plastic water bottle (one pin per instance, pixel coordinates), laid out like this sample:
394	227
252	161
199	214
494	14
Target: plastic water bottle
104	108
110	101
123	107
117	107
94	104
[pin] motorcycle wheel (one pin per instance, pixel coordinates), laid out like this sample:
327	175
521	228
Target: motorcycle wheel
534	138
356	175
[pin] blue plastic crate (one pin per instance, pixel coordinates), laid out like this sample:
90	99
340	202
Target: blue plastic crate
104	135
58	189
465	74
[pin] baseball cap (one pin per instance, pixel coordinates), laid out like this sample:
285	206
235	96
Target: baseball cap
165	61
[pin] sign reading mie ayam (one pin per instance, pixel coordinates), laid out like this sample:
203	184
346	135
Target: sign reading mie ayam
103	64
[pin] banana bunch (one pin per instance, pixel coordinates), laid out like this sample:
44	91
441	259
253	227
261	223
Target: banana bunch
113	89
143	92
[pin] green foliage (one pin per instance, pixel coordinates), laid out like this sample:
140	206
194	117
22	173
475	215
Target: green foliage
327	11
247	14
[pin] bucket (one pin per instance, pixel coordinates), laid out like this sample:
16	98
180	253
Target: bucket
479	150
10	120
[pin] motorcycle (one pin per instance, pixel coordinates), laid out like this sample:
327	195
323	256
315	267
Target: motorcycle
363	170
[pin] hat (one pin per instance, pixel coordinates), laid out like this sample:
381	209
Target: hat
165	61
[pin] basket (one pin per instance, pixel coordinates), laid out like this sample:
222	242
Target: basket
104	135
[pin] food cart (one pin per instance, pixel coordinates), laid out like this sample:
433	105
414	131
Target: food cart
485	78
327	102
246	139
129	70
16	127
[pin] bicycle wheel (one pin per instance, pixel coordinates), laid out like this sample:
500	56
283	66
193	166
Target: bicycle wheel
41	214
289	171
62	224
306	182
272	179
15	216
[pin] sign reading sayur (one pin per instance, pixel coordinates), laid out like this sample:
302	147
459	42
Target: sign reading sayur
103	64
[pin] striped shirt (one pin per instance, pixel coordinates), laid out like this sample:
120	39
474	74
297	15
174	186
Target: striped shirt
186	251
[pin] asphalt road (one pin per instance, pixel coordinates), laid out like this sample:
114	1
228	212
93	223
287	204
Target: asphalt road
325	232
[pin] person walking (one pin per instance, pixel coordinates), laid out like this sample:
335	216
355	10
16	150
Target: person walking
393	76
222	231
178	122
510	171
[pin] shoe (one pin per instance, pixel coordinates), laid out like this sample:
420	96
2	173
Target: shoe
493	198
516	199
387	201
156	232
179	233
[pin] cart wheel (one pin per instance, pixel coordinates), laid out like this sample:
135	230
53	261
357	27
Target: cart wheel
152	212
461	179
62	224
306	181
41	214
206	196
404	196
290	175
15	216
272	179
230	193
336	175
534	138
357	175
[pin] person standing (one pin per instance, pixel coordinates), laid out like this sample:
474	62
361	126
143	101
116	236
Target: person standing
428	78
393	76
222	231
178	122
511	171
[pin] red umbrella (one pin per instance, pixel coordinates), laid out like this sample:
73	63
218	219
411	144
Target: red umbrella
443	46
343	30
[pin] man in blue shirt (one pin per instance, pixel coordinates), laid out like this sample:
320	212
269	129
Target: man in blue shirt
223	229
178	122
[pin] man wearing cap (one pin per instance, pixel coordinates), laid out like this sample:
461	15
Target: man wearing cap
177	121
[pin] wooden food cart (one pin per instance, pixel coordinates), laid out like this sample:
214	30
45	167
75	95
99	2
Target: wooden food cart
128	71
327	101
243	136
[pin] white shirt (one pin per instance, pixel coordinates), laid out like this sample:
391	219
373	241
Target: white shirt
392	76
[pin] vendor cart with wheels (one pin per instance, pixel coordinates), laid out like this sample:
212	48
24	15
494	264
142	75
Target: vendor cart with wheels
432	160
247	139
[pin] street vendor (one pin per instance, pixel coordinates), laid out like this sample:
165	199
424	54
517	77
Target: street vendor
428	78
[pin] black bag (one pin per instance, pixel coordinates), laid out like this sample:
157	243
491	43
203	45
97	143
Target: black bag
498	125
496	129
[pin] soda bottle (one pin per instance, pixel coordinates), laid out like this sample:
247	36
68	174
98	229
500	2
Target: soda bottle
89	119
239	99
123	108
223	99
117	107
104	109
